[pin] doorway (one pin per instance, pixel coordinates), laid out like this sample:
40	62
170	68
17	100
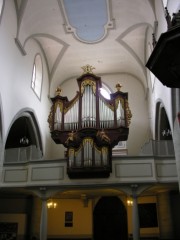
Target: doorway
110	219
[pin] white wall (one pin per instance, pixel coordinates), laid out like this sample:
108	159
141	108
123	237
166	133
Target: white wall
16	72
159	92
15	83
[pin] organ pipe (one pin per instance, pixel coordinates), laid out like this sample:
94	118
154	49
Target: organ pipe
89	125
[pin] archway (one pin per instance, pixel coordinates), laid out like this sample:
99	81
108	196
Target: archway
163	129
23	142
110	219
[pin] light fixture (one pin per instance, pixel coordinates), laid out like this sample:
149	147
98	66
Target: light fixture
85	199
129	202
24	141
166	132
51	204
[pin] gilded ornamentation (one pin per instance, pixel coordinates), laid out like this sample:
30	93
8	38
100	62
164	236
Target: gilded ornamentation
71	137
58	104
90	83
50	119
118	87
121	100
58	91
87	69
71	152
104	150
128	113
88	140
103	136
78	150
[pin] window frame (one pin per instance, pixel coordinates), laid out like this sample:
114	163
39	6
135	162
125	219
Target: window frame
1	8
35	79
107	89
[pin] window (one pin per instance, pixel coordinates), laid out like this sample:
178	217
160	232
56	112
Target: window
165	3
36	81
105	91
1	6
68	219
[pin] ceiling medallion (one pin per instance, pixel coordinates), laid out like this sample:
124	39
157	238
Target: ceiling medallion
88	22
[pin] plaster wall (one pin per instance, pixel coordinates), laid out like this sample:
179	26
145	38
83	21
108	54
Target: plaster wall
157	91
15	84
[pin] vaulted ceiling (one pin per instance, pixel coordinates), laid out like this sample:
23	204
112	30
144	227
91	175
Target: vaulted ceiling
110	35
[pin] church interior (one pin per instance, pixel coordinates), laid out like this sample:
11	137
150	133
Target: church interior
89	119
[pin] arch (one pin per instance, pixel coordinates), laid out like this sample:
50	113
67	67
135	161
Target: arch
110	219
162	126
24	132
105	91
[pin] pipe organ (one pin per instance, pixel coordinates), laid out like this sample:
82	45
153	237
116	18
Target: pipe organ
89	126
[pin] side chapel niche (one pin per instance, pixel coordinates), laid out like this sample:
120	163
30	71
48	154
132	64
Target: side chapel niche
89	126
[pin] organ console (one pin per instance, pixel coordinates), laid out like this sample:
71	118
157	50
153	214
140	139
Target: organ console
89	126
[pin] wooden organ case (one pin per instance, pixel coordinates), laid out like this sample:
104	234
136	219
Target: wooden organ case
89	126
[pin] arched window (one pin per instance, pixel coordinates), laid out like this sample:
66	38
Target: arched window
36	82
105	91
23	141
1	8
163	129
165	3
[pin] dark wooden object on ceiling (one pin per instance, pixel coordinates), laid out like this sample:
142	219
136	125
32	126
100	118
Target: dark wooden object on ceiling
164	61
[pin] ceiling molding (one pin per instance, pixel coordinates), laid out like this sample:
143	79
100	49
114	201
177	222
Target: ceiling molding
85	31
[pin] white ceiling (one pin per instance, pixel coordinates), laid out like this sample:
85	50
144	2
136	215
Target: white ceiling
110	35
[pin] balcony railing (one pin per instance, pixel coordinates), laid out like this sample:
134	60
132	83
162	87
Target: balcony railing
158	148
23	154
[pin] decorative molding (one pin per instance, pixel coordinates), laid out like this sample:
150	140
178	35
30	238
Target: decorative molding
103	28
166	170
20	47
15	175
127	170
47	173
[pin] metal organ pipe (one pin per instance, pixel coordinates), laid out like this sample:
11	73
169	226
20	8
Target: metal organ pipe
120	114
106	115
71	117
58	118
88	107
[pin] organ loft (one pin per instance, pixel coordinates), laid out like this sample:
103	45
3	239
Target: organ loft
89	126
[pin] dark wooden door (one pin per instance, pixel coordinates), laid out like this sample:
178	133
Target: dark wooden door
110	219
